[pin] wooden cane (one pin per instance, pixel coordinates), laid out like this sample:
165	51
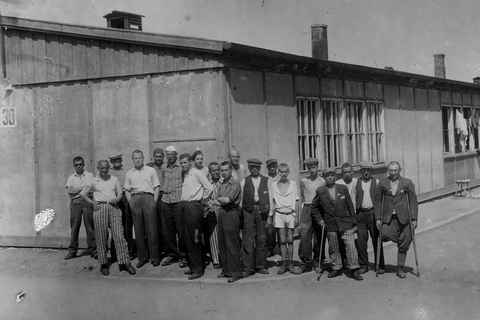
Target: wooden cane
379	240
412	232
322	242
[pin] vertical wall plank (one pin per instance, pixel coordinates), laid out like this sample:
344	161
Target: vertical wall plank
150	59
66	66
393	124
436	139
424	141
39	52
12	56
93	58
107	59
53	57
409	135
135	55
26	57
122	64
79	58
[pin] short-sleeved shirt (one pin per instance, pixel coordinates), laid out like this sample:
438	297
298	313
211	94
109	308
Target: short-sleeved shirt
143	180
172	184
103	190
309	187
77	181
285	203
352	190
196	186
119	174
230	188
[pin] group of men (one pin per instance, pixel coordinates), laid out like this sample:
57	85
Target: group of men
182	214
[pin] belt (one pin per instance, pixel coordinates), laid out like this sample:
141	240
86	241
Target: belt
367	209
80	199
142	194
103	202
307	204
190	201
284	212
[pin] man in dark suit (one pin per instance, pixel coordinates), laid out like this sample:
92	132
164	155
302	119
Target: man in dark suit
400	208
333	209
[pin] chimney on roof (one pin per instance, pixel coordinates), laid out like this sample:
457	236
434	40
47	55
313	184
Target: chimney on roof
476	80
319	41
439	65
124	20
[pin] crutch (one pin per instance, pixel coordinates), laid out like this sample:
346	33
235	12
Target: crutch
322	243
379	240
412	232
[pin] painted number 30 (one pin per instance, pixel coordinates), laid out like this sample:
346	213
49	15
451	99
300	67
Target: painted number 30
8	117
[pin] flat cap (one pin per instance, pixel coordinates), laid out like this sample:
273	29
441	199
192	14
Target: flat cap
271	161
329	170
366	165
310	161
254	162
117	157
158	150
171	149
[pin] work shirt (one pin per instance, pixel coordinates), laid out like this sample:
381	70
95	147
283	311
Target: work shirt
285	203
160	171
231	189
103	190
351	189
367	199
309	186
77	181
143	180
172	186
195	186
119	174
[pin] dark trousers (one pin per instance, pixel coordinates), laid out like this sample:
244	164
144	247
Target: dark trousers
401	235
254	240
366	225
173	225
193	215
159	223
307	230
271	238
127	223
145	223
229	242
80	208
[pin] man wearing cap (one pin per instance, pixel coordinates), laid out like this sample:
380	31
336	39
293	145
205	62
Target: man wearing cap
307	229
238	169
80	208
173	223
118	172
196	189
365	193
255	207
349	181
142	189
273	176
400	208
157	164
333	209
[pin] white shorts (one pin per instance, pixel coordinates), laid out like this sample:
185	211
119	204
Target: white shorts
283	220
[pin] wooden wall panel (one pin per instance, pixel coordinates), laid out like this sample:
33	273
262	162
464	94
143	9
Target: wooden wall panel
120	118
13	56
62	125
466	99
53	57
393	124
449	171
476	100
65	63
79	49
122	64
26	57
17	183
436	139
424	141
353	90
446	97
373	91
93	59
165	60
460	170
150	59
331	88
457	98
307	86
107	59
471	166
282	129
136	59
39	53
409	135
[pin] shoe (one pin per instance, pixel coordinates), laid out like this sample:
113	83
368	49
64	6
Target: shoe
282	269
155	263
70	255
263	271
127	267
247	274
217	266
183	263
195	275
299	270
356	275
401	273
334	273
188	272
141	264
169	260
269	254
95	256
233	279
363	270
222	275
381	271
104	270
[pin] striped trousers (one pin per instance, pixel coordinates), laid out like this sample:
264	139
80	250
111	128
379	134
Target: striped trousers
334	250
212	236
110	217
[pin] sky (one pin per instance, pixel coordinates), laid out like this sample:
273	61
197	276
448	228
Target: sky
376	33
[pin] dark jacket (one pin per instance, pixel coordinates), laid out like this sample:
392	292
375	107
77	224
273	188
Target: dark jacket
397	201
339	214
248	195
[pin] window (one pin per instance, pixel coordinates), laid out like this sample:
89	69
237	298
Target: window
340	131
460	129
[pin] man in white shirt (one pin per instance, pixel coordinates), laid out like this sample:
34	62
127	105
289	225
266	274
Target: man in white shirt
195	190
80	208
348	180
107	193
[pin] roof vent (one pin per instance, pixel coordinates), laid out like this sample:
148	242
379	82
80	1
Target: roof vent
124	20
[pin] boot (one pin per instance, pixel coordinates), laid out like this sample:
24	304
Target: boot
400	272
